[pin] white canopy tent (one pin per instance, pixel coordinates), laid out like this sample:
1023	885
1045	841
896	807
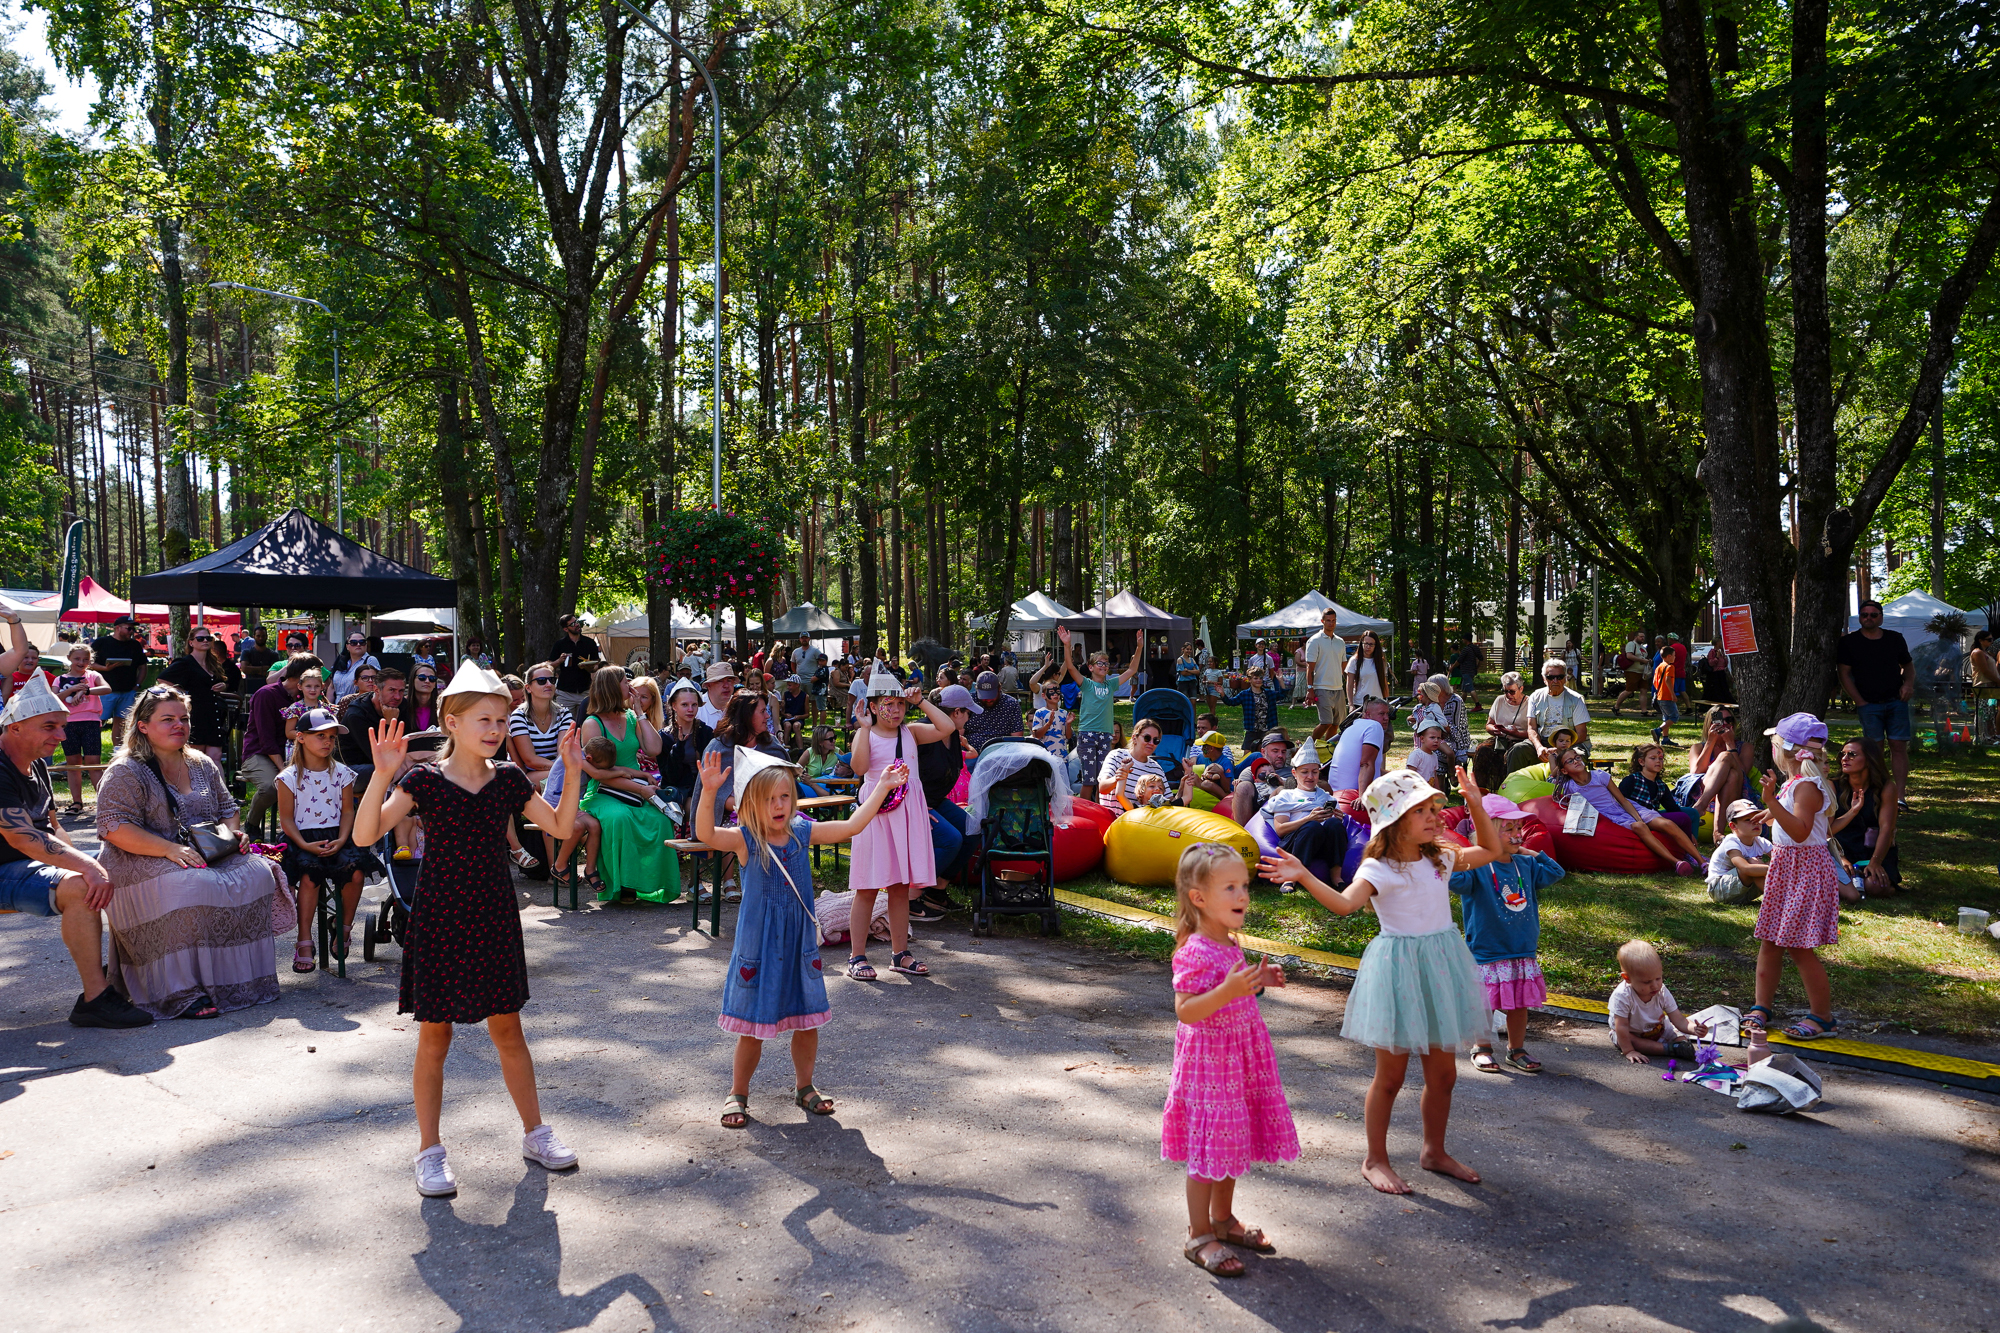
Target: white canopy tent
1908	615
1303	618
1035	614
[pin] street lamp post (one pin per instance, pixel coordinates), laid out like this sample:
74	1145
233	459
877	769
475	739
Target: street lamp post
715	395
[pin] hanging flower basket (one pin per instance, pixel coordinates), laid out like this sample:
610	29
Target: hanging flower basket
707	559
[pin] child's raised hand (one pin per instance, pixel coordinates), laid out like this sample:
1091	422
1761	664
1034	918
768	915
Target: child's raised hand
1467	786
570	748
1282	867
895	774
1770	788
711	770
388	745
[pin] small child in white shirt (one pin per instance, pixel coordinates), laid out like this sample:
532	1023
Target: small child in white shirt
1741	860
1645	1020
1426	744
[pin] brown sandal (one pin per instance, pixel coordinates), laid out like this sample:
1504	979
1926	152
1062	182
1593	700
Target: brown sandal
810	1098
1219	1264
735	1111
1231	1232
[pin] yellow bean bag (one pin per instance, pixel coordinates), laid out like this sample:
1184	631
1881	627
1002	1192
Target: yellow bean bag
1144	846
1525	784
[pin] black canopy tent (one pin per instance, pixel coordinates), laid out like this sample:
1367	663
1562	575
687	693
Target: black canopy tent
297	562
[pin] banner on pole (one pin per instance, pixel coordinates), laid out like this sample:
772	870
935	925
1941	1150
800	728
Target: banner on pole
71	581
1739	634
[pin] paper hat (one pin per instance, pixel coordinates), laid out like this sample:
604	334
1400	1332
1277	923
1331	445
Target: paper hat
882	684
32	700
1426	717
1394	795
1306	754
748	764
472	678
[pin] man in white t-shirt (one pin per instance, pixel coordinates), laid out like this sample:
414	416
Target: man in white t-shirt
1556	705
1325	669
1358	757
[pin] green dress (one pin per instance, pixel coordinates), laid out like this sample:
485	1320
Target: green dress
632	852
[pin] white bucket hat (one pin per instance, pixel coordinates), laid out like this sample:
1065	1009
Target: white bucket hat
1394	795
1426	717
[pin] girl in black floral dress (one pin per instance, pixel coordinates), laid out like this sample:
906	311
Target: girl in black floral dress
464	962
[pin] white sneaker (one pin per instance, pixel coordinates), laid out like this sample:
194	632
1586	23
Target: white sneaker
434	1177
542	1145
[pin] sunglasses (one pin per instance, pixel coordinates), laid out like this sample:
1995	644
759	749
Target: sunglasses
543	680
425	680
202	638
356	643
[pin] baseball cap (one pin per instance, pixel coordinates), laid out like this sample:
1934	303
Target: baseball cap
1798	729
1270	736
957	696
123	620
1499	807
989	685
319	719
1741	809
1211	738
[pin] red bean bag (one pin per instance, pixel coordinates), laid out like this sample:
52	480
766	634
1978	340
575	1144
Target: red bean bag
1611	849
1534	833
1079	847
1100	815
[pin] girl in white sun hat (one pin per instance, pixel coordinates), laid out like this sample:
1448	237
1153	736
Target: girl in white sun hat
1418	990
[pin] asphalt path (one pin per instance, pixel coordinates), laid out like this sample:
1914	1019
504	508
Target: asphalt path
994	1165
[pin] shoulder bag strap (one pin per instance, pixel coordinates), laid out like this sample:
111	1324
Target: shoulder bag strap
173	804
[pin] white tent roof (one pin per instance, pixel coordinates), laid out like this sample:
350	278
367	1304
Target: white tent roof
1036	611
686	625
1908	615
1303	616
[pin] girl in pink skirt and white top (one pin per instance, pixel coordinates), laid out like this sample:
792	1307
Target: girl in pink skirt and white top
1226	1107
1801	908
893	852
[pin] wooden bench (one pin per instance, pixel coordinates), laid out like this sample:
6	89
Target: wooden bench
811	806
698	849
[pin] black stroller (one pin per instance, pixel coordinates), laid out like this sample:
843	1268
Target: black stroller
1016	828
390	923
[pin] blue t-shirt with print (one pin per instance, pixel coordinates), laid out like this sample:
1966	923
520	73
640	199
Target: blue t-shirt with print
1502	902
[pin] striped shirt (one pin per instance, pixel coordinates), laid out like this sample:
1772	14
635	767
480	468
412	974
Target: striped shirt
543	743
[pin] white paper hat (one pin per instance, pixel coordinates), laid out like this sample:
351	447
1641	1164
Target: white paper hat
749	763
881	683
32	700
472	678
1307	754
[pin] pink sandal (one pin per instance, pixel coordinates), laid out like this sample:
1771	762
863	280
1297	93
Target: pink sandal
302	956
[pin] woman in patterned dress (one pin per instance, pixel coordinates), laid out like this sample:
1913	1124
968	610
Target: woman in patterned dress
464	962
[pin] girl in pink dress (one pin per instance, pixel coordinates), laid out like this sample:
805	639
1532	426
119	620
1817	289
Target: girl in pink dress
1226	1107
893	852
1800	913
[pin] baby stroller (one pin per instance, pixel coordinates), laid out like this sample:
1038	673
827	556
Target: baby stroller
391	922
1012	787
1174	712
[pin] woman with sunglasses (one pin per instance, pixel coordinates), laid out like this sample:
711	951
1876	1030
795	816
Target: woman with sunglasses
1863	832
205	674
349	665
1719	773
420	710
1507	721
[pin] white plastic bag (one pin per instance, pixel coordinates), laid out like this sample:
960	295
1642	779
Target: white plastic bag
1781	1085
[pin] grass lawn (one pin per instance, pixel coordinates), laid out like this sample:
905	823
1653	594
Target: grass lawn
1900	960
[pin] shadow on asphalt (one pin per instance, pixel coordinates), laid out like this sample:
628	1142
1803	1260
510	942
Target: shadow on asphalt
510	1275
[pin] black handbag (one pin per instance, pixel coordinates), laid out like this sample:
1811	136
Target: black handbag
212	839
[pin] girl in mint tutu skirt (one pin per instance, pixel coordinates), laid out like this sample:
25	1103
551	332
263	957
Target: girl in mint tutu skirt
1418	990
